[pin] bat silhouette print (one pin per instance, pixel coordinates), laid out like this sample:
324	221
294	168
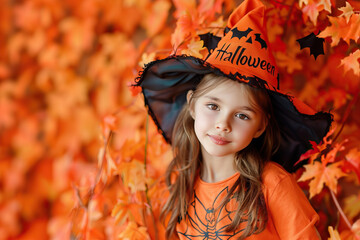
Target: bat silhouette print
260	40
240	34
207	222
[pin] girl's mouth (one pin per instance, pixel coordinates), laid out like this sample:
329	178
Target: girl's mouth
218	140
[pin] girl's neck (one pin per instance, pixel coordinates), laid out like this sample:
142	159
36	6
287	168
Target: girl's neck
215	169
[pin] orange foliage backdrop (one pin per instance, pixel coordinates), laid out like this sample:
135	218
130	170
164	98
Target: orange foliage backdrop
80	158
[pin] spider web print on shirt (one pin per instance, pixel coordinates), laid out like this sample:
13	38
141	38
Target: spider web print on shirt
205	223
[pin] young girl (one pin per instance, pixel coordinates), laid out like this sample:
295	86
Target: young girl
234	135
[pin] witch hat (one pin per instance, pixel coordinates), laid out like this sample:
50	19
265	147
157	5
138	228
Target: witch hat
243	54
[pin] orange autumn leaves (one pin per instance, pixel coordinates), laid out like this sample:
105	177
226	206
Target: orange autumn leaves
81	159
326	171
64	66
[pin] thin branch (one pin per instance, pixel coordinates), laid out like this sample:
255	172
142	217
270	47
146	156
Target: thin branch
91	191
340	210
98	174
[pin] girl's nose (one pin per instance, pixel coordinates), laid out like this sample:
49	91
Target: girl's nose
223	124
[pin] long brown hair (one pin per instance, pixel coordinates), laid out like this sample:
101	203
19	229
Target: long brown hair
247	190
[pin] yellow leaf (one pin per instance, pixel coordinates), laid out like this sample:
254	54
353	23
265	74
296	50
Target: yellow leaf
194	49
320	175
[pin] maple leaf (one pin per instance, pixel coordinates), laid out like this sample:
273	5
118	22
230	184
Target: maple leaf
334	234
133	232
313	8
342	29
347	11
194	48
352	62
311	11
185	28
134	175
319	174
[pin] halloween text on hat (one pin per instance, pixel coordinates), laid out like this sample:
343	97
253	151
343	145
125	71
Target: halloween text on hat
242	57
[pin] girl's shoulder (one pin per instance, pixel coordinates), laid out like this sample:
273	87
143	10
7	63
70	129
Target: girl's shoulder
274	174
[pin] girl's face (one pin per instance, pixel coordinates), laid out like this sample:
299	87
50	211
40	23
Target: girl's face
225	120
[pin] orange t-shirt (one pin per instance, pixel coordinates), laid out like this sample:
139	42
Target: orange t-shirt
290	215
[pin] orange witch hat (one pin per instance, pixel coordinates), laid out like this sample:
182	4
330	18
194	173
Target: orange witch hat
245	49
243	54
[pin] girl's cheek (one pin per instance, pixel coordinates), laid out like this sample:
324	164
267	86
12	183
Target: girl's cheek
209	116
202	111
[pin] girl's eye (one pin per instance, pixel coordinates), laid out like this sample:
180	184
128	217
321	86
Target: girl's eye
212	106
242	116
